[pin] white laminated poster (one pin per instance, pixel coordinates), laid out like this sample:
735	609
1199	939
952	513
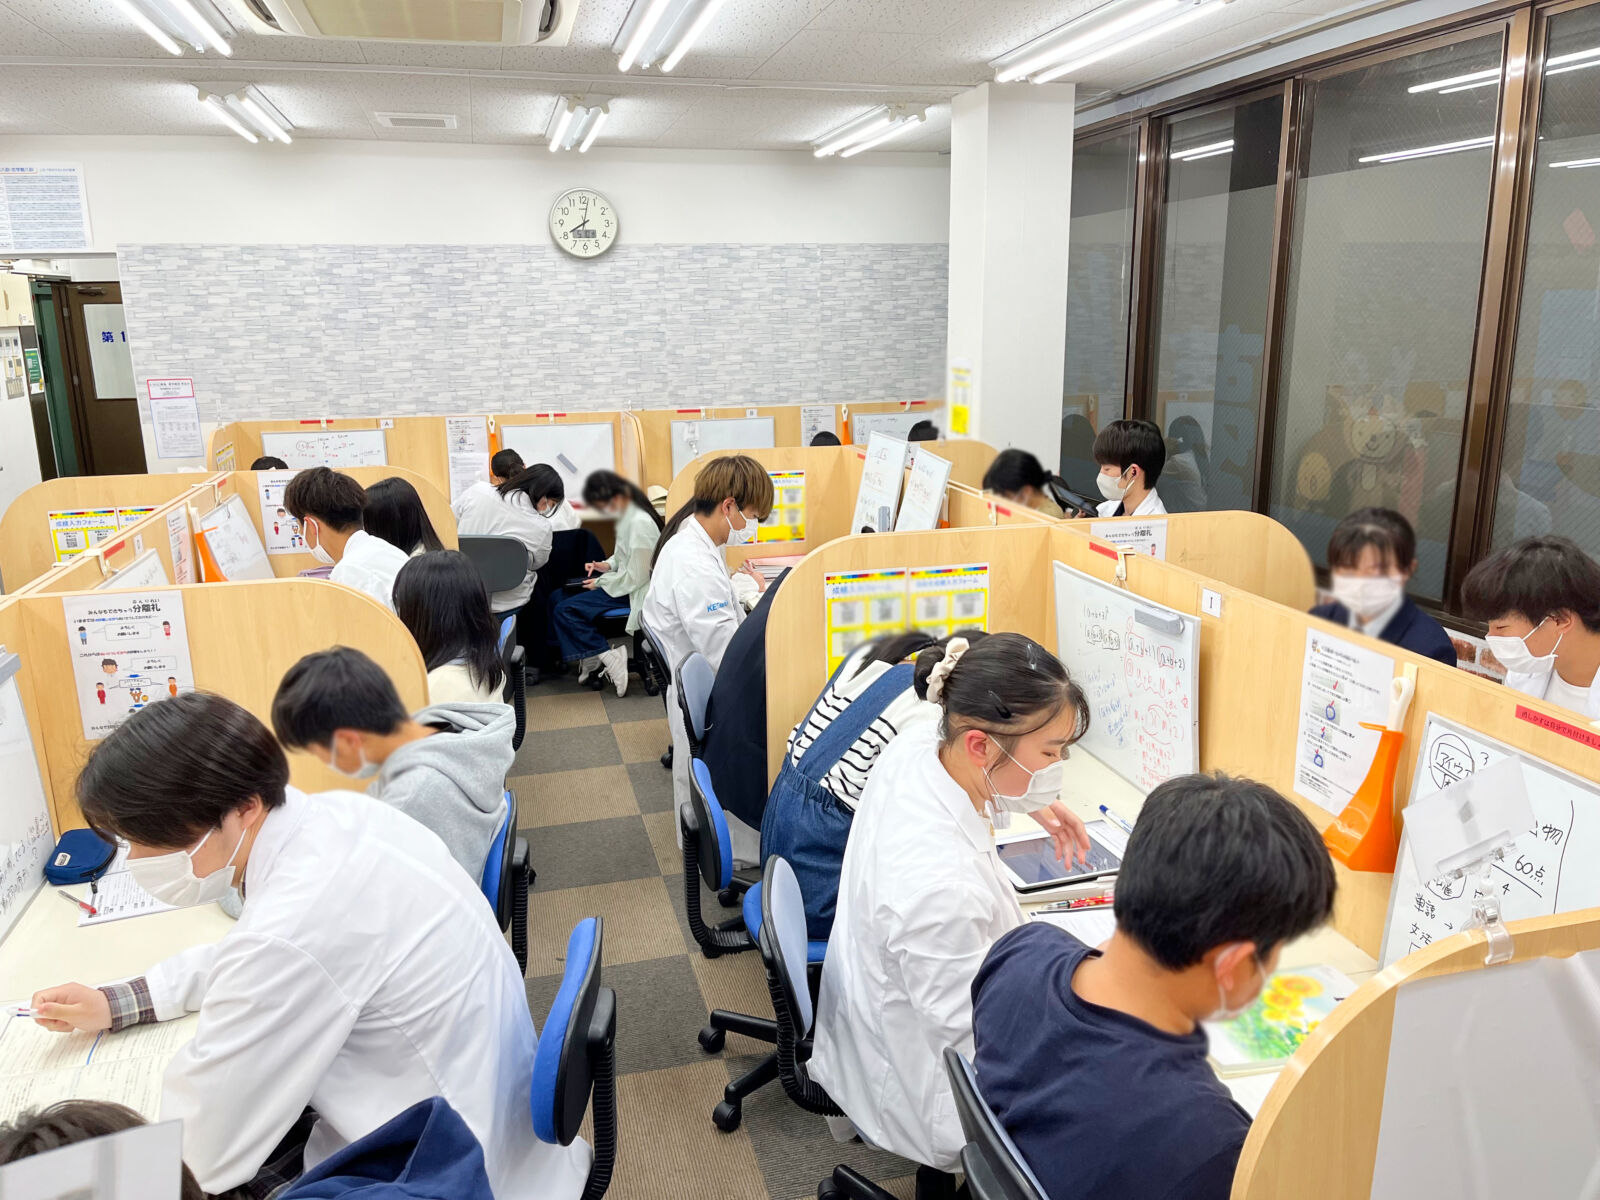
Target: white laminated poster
129	649
815	419
175	417
280	532
132	516
145	571
43	208
178	542
1140	536
72	531
466	441
1343	685
878	497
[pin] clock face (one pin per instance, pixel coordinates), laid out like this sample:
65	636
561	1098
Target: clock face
583	223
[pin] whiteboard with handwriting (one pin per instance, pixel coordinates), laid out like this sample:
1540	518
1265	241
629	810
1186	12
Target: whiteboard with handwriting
1554	867
234	543
1138	664
690	439
336	448
25	836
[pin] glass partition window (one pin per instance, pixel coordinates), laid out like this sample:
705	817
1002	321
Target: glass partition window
1099	283
1386	260
1550	468
1211	312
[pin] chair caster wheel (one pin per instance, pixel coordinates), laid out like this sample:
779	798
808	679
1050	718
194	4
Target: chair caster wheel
726	1116
712	1039
827	1190
666	758
726	898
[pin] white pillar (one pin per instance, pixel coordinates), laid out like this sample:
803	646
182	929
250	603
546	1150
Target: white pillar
1010	202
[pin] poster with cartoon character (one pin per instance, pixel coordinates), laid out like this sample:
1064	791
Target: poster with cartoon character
279	531
129	649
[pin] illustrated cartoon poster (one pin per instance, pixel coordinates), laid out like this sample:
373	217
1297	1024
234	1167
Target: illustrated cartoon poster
279	531
129	649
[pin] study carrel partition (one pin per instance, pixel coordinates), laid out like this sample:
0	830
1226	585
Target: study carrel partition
242	638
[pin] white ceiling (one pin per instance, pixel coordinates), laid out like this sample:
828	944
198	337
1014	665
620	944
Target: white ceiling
766	75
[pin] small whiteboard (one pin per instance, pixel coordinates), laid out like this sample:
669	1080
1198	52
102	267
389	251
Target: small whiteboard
1139	665
923	503
1553	868
690	439
895	424
336	448
576	451
25	835
143	572
878	495
235	545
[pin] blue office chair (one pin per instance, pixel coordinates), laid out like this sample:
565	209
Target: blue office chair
695	678
515	692
507	877
704	825
991	1161
577	1058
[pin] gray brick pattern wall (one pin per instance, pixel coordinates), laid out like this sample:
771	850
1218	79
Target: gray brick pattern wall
289	331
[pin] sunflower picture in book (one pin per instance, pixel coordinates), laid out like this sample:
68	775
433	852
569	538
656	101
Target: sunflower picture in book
1264	1036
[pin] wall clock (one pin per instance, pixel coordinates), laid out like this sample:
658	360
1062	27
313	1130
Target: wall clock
583	223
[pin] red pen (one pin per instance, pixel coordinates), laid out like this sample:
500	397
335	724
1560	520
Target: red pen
87	907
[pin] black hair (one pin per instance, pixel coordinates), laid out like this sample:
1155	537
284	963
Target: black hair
1385	530
923	431
897	647
1133	443
108	662
538	482
440	597
505	464
823	438
328	497
604	486
1006	684
330	690
394	513
70	1122
1013	470
1187	436
174	769
269	462
1536	577
1214	859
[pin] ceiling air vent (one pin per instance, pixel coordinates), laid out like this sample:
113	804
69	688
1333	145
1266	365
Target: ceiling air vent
480	22
416	120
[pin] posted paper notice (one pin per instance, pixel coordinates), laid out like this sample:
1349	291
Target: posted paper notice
280	532
1142	537
815	419
1342	685
787	521
129	649
467	445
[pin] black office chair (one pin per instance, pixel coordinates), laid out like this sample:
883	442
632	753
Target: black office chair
515	692
993	1164
659	664
502	561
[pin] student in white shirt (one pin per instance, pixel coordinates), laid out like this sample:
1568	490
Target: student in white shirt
692	606
365	974
1541	599
1131	455
922	895
395	514
441	599
519	508
330	508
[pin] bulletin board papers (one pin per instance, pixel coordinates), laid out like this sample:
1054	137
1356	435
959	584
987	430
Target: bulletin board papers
923	504
864	605
815	419
576	450
466	441
129	649
338	449
1142	537
145	571
175	416
1342	686
1550	870
178	542
76	530
43	208
787	521
878	496
946	600
280	532
233	542
25	833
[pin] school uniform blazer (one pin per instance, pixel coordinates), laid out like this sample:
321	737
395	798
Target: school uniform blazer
1410	628
735	747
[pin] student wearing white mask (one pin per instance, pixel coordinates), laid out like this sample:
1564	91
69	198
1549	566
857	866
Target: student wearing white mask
1371	557
330	509
692	605
1131	455
365	974
1541	599
922	893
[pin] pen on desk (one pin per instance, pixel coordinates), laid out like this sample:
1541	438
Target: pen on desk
1081	902
1111	816
71	899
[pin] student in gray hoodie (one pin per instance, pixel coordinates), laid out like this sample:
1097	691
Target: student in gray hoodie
445	766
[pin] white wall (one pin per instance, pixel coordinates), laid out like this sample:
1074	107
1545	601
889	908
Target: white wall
193	189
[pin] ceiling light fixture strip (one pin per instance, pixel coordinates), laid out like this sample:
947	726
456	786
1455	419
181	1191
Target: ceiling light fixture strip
1108	30
658	33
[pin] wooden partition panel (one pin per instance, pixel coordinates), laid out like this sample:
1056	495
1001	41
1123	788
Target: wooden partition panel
416	443
242	638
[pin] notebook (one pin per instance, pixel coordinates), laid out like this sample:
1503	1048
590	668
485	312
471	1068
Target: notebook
38	1068
1264	1036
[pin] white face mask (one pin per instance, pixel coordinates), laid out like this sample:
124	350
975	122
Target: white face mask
744	535
1043	790
317	552
170	878
546	513
1111	486
1224	1013
1367	595
1514	654
365	771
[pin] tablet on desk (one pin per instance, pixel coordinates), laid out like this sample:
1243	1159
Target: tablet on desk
1031	863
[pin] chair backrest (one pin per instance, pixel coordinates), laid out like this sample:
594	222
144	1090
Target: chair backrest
502	561
695	677
561	1072
783	940
713	840
657	648
496	881
998	1171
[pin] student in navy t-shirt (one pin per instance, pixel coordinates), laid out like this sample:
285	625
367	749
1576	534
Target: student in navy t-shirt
1094	1060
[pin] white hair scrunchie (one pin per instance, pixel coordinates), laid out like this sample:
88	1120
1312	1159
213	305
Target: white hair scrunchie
953	651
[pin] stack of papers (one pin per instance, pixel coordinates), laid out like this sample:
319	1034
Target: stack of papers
39	1068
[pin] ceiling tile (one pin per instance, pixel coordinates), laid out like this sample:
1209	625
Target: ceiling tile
18	35
888	16
833	55
277	47
428	54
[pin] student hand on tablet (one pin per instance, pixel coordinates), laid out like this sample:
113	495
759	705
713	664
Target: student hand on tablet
1066	830
71	1006
595	568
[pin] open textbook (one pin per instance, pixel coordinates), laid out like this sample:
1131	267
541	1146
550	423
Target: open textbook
38	1068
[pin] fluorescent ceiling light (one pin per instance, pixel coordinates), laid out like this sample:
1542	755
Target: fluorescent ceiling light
175	23
658	33
1109	29
216	105
1210	150
871	128
1574	163
148	27
1430	151
1167	24
577	123
594	132
245	111
894	131
270	123
1455	83
196	21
